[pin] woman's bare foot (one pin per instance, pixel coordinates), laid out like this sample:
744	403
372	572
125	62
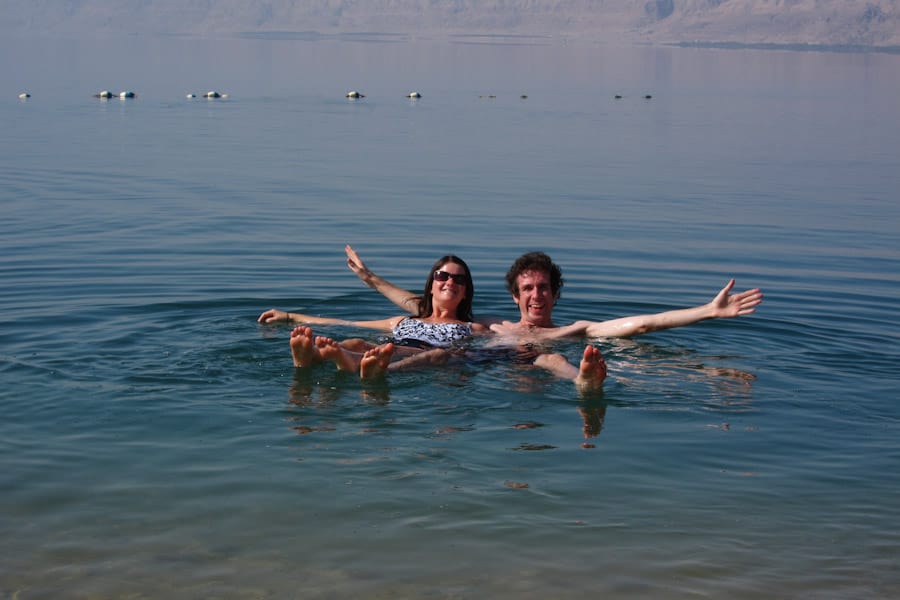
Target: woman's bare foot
592	371
304	352
374	362
330	350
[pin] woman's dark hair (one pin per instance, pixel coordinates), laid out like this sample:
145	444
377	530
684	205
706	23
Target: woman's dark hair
464	310
535	261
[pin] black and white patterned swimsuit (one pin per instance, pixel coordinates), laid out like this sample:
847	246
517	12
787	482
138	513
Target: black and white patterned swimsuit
417	333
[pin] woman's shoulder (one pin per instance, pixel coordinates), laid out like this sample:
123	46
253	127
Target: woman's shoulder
396	321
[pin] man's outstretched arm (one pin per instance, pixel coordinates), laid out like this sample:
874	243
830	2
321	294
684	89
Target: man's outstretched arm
724	306
405	299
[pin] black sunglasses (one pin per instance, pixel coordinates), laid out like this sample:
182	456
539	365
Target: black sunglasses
458	278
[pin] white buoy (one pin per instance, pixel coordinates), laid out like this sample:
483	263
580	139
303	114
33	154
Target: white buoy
191	96
414	95
212	94
103	94
354	94
126	94
24	96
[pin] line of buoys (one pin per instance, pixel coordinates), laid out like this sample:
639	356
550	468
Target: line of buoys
210	95
352	94
106	94
128	94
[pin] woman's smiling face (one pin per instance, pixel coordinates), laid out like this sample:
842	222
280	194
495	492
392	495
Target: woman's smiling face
453	288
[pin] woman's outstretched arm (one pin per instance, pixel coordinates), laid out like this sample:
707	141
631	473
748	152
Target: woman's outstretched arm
405	299
273	315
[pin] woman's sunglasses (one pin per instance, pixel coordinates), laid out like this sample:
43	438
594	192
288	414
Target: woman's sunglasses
458	278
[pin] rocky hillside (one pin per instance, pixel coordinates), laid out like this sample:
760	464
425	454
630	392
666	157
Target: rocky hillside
827	22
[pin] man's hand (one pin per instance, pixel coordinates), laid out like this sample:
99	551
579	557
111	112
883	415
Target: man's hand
725	305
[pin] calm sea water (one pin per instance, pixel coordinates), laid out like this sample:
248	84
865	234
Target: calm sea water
156	442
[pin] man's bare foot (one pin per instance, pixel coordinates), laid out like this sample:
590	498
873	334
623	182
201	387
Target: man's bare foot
374	362
304	352
330	350
592	371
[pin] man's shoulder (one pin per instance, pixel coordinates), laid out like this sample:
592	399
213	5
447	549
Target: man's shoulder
501	326
527	332
489	322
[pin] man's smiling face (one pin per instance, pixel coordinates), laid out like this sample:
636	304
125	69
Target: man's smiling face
535	298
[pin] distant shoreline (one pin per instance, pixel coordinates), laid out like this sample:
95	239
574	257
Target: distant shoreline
471	38
849	49
477	38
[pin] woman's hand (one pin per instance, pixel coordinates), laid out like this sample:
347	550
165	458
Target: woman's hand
273	315
358	266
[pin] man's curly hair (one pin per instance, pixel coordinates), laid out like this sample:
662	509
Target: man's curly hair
535	261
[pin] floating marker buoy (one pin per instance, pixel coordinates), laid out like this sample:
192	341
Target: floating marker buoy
103	94
124	95
647	97
618	96
24	96
414	95
191	96
354	94
212	94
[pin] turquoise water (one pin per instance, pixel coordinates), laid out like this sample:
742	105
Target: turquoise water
156	441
